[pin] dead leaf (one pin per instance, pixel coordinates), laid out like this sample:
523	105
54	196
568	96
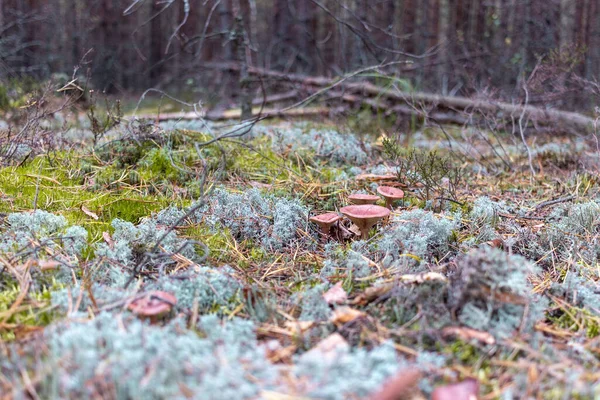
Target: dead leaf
186	391
299	326
329	347
108	240
372	293
344	315
468	334
355	230
89	213
497	243
275	351
424	277
48	264
399	386
336	294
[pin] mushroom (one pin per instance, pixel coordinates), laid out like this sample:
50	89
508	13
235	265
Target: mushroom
153	305
325	221
359	198
390	194
365	216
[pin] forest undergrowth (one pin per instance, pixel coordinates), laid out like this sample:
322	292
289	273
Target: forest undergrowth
482	271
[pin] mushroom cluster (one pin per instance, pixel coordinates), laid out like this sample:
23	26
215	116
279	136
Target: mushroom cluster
363	211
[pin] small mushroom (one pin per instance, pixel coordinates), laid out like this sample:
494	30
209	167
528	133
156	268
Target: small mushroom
359	198
390	194
465	390
153	305
325	221
365	216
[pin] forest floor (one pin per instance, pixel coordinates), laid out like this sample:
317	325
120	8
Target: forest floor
482	273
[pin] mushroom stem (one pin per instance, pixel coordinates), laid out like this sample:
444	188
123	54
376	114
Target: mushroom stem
325	222
364	234
325	232
388	203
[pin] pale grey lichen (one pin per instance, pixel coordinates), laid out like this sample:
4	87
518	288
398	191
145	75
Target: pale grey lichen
346	373
417	232
350	262
44	235
25	227
336	147
169	216
572	232
491	290
312	304
127	359
141	239
579	291
484	218
270	221
208	287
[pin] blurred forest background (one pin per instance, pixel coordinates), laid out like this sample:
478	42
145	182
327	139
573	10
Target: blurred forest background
456	47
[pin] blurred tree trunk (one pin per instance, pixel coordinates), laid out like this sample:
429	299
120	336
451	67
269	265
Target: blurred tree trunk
568	10
225	25
156	43
1	13
241	44
444	41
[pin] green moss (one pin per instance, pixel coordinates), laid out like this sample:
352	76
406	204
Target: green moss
59	190
261	164
218	242
34	311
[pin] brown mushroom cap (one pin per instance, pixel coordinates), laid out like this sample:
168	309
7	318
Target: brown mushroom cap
325	220
153	304
390	194
359	198
365	216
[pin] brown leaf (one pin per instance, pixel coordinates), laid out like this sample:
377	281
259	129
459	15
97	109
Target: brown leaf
299	326
108	240
186	391
330	346
468	334
372	293
424	277
336	294
355	230
275	351
89	213
399	386
48	264
344	315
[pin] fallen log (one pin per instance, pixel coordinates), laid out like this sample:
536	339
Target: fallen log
236	114
565	121
438	116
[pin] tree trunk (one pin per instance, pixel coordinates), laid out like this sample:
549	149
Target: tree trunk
241	43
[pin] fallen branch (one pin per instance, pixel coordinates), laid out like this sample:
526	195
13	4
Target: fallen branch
564	121
236	113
